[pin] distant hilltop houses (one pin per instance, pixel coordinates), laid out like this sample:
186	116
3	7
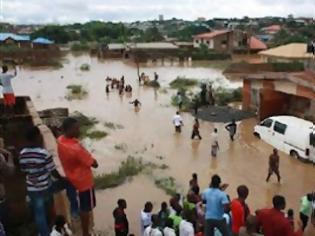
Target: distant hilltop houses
24	41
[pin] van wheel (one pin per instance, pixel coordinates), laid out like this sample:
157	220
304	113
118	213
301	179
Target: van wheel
294	154
257	135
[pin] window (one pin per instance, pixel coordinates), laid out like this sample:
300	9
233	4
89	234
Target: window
267	123
280	128
197	41
208	42
312	139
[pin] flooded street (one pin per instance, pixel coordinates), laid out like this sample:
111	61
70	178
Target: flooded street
149	133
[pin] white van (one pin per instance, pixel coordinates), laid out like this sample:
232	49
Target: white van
289	134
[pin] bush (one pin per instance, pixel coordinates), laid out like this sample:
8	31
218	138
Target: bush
167	184
85	67
186	100
225	96
76	92
183	83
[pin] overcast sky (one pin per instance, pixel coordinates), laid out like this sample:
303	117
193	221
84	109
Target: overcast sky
69	11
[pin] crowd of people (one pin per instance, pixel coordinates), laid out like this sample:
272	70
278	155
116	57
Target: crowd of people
214	213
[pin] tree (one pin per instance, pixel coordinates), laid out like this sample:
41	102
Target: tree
53	32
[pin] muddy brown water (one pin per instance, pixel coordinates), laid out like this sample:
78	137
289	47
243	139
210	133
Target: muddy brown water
149	133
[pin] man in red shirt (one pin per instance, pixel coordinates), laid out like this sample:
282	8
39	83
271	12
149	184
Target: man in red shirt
273	221
77	163
239	209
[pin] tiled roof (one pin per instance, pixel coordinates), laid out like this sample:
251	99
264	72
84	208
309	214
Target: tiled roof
212	34
256	44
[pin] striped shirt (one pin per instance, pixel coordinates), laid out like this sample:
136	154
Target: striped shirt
37	164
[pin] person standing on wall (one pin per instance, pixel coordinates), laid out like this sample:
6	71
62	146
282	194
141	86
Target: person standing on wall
7	89
77	163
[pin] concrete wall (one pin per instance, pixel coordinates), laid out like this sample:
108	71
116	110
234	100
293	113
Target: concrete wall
208	42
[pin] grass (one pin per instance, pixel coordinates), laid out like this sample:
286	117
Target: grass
129	168
121	147
85	67
183	83
111	125
167	184
86	126
96	134
76	91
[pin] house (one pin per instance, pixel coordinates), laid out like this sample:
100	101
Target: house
265	37
20	41
278	93
42	43
293	52
218	40
272	29
229	41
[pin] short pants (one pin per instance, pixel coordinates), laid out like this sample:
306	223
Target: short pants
9	99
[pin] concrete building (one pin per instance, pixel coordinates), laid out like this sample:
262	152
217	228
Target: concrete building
161	17
280	94
229	41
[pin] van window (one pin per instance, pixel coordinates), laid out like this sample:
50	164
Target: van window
312	139
267	123
280	128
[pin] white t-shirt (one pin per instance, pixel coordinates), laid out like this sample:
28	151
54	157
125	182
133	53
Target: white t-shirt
6	82
214	138
145	219
186	228
169	232
152	232
177	120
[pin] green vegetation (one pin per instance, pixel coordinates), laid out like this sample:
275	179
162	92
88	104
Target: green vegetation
122	147
76	92
86	126
167	184
82	46
183	83
85	67
152	83
185	98
96	134
128	168
111	125
288	67
225	96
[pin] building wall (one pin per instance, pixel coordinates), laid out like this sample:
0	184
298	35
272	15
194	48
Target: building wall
199	41
223	43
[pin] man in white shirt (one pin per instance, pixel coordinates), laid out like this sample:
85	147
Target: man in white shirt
7	90
168	230
146	216
178	122
153	229
186	227
214	143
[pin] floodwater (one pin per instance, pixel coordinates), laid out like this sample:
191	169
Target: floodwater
149	133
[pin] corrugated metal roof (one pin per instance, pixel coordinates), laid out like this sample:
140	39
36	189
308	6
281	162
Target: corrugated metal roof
154	45
116	46
41	40
16	37
289	51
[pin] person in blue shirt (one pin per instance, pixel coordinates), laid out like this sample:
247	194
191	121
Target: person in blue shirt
217	204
